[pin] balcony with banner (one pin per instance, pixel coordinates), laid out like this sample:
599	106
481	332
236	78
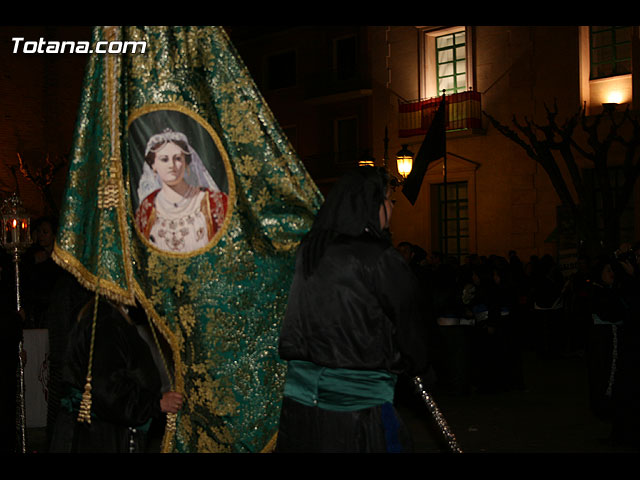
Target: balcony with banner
463	112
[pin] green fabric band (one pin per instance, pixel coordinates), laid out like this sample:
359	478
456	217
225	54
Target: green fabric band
338	389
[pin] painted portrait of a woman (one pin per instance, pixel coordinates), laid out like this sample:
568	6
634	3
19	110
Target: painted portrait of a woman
181	207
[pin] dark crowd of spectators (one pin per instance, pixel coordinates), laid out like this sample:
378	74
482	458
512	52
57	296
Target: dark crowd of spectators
486	312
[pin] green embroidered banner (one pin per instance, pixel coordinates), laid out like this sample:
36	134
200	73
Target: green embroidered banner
185	195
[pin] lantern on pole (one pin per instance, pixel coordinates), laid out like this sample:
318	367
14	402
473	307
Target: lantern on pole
16	238
16	234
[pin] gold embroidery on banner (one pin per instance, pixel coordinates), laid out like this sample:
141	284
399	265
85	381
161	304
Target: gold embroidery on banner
240	116
114	64
170	337
109	194
177	379
248	166
171	287
108	191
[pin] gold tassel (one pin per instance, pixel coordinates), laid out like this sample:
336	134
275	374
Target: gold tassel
84	413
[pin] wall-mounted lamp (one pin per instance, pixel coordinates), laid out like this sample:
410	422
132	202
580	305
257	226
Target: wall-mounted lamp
404	160
614	97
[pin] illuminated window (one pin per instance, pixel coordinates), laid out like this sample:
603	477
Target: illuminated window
446	60
610	51
451	61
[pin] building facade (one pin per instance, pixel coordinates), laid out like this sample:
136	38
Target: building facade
344	93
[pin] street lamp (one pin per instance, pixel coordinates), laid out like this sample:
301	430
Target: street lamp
404	160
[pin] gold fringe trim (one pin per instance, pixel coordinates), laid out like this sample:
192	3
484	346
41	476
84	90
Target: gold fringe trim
271	444
88	280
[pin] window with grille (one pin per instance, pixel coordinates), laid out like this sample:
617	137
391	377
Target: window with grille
610	51
627	220
452	217
451	62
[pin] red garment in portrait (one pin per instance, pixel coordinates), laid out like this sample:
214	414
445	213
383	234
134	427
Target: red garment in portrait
213	207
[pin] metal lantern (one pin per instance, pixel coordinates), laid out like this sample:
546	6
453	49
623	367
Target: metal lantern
16	233
16	225
404	159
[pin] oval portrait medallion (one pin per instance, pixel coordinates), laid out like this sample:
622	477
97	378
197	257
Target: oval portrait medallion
180	180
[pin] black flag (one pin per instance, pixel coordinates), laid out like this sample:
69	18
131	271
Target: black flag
432	148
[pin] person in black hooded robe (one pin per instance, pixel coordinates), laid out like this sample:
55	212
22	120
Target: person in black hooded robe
126	386
354	323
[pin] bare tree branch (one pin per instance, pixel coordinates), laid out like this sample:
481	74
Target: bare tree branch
601	133
540	151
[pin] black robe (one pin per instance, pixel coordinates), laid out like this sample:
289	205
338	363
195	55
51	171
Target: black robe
126	386
360	309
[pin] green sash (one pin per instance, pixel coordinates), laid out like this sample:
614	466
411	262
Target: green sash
338	389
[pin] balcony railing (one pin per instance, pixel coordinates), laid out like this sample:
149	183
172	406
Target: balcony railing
463	111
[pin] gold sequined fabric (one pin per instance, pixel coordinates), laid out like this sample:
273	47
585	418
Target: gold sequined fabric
218	306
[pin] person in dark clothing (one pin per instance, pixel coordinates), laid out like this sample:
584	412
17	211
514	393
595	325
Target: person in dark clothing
40	274
476	298
625	415
451	349
578	315
503	353
125	387
406	250
609	312
67	299
353	324
548	311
